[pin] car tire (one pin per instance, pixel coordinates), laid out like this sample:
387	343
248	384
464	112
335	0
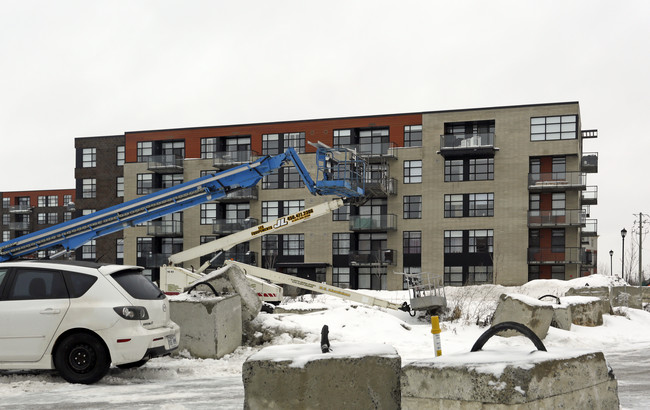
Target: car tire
81	358
133	365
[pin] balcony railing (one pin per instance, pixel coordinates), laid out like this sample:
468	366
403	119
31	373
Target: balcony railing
589	133
165	228
165	164
371	152
590	228
19	226
386	222
228	226
557	181
244	194
590	195
223	160
459	144
555	256
589	162
381	187
372	258
557	217
20	209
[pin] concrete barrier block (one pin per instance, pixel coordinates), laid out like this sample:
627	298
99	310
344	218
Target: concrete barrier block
629	296
645	294
585	310
601	292
352	376
510	380
211	327
561	317
535	314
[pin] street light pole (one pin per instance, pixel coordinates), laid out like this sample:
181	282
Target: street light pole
611	269
623	233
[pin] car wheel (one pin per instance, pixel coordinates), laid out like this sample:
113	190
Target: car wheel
133	365
81	358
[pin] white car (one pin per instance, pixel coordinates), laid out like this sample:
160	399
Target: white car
79	317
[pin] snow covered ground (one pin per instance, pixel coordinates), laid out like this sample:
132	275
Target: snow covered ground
183	382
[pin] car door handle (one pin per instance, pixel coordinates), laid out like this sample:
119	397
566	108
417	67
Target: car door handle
50	311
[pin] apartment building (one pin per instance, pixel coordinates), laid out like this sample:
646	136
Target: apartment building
487	195
24	212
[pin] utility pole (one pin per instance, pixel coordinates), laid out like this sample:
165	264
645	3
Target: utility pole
641	221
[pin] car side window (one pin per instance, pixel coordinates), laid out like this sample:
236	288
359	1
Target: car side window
37	284
79	283
3	275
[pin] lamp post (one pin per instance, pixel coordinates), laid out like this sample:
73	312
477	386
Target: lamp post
623	233
611	269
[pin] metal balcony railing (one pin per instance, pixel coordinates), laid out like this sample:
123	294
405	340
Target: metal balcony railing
165	228
557	217
590	195
589	133
557	181
589	162
374	151
384	222
372	258
165	164
20	209
19	226
465	141
244	194
555	256
381	187
223	160
590	228
228	226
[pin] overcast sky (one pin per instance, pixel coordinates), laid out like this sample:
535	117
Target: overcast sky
90	68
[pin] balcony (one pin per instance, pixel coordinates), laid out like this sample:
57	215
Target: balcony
589	260
589	133
20	209
557	181
19	226
555	256
228	226
459	145
370	223
557	217
590	228
381	187
590	195
589	162
165	228
225	160
372	258
239	195
165	164
375	152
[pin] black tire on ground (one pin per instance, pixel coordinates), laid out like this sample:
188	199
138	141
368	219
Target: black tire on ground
133	365
82	358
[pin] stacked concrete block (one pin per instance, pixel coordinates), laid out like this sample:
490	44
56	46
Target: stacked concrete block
536	315
628	296
585	310
510	380
601	292
351	376
211	327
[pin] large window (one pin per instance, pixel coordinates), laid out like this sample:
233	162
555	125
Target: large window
453	242
208	213
469	205
413	135
412	207
454	206
481	204
144	184
469	169
88	188
120	155
341	277
563	127
41	201
89	158
144	150
273	144
341	214
481	241
412	242
343	138
372	278
52	218
170	180
413	172
341	243
283	178
275	209
237	212
293	244
67	199
373	142
53	200
89	250
208	147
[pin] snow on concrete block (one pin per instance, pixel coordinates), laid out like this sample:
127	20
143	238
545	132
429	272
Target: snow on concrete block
510	380
351	376
211	327
629	296
601	292
535	314
585	310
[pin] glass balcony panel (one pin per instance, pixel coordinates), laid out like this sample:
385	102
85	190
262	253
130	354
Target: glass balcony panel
169	163
382	222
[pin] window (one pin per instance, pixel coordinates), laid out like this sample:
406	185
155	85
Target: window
291	178
89	250
6	235
89	158
413	135
67	199
453	241
410	270
454	206
341	214
144	251
208	147
372	278
144	150
41	201
479	275
412	241
144	184
340	243
67	216
273	144
293	244
559	168
374	142
170	180
558	203
120	187
6	202
37	284
453	276
553	128
173	148
534	204
270	246
341	277
481	169
41	218
342	138
52	218
120	155
557	272
481	241
53	200
557	240
85	212
481	204
88	188
453	170
275	209
295	140
272	180
237	212
208	213
413	207
413	172
6	218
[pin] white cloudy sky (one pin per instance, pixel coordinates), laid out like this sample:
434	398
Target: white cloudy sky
87	68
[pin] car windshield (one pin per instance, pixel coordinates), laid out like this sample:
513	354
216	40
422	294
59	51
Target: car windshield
137	285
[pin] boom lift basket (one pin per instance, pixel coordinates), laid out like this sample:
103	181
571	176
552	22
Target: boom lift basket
339	172
426	291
